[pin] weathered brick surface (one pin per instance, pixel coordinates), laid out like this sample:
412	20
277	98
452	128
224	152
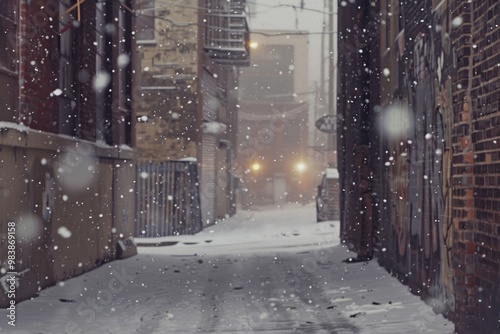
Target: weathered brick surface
438	182
39	67
172	62
485	133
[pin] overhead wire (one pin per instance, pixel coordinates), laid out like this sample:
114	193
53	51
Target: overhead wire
168	4
267	34
271	7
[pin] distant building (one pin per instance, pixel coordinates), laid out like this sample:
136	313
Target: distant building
273	157
66	138
190	53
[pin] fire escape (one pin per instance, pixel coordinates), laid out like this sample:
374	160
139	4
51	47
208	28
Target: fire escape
227	35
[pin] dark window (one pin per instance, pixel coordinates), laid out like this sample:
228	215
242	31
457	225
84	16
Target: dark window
126	70
8	56
67	72
103	70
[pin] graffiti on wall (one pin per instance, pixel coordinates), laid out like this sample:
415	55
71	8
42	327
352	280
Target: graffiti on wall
399	187
421	171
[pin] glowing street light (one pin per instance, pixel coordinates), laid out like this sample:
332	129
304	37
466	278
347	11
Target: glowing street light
256	167
300	167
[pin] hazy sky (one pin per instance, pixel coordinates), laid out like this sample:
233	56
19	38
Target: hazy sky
263	16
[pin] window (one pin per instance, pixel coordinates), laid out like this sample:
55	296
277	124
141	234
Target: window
67	72
8	56
103	70
226	33
145	23
8	24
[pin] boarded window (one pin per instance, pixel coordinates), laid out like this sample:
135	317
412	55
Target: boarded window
145	23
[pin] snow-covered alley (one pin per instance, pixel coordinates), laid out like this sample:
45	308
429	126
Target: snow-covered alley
270	271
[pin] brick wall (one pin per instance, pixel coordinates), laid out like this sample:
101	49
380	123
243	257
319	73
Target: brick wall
86	96
38	67
485	137
476	167
462	181
352	112
437	183
168	127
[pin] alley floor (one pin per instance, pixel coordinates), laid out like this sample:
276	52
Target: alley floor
266	271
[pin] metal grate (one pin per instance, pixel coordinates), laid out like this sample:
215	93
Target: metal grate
167	199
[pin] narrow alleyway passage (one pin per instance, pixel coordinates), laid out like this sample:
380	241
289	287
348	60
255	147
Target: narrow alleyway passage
270	271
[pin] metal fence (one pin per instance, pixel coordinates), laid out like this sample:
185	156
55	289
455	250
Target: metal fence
167	199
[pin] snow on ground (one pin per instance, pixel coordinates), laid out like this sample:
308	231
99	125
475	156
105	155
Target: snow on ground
274	271
254	232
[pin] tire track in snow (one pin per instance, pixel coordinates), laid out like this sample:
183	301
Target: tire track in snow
214	298
210	309
266	312
306	285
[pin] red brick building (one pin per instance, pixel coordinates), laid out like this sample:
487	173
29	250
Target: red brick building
418	86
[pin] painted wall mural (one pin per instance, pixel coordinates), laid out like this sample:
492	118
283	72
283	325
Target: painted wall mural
420	172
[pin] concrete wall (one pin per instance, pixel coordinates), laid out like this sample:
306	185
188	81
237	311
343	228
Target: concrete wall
69	200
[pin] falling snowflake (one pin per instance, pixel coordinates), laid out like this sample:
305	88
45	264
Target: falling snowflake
64	232
123	60
457	21
101	81
56	92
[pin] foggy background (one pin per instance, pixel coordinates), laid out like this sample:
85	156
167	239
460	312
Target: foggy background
281	15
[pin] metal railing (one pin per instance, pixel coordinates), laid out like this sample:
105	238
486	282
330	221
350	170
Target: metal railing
227	35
